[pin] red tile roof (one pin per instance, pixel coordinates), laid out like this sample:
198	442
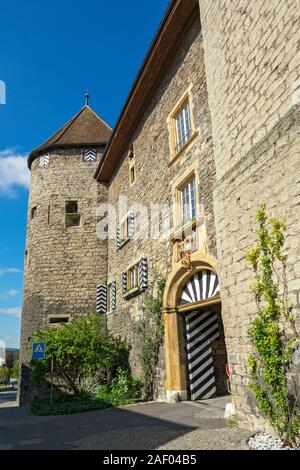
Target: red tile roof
85	128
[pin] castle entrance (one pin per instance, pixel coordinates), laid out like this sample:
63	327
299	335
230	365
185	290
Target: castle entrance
196	355
204	341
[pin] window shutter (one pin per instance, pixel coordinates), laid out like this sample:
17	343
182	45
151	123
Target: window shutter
124	282
118	239
113	295
131	224
101	299
143	273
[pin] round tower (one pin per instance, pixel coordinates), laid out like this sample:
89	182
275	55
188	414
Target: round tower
64	260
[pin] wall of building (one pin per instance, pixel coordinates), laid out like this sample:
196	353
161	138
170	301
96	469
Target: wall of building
252	65
154	180
63	265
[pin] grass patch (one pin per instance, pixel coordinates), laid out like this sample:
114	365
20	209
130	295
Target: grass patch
70	406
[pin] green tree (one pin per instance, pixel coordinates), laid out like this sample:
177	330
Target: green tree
4	375
85	355
272	332
15	370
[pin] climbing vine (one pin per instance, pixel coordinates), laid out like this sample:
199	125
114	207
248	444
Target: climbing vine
272	331
151	330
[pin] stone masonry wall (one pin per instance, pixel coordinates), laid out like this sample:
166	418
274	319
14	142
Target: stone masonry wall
63	265
252	65
154	179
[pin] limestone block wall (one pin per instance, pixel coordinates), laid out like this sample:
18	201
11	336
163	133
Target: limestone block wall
62	265
252	65
154	179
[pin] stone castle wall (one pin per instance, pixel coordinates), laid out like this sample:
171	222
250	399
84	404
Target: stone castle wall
154	179
63	265
252	64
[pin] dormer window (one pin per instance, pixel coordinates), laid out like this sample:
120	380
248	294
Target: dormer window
89	155
72	217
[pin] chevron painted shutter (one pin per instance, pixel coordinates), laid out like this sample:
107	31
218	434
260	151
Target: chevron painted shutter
201	330
131	224
89	155
201	286
113	295
118	239
143	273
101	299
124	282
44	160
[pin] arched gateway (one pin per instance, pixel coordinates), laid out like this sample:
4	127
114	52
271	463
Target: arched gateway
194	337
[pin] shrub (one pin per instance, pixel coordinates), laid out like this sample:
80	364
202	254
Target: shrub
84	355
123	390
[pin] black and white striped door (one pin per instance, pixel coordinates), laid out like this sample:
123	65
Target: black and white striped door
201	329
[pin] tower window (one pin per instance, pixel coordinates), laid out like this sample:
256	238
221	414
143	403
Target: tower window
132	174
71	207
57	320
72	217
33	212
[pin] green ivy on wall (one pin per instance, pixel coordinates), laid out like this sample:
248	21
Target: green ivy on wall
272	332
151	330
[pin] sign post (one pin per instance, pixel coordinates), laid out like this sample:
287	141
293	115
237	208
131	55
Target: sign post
52	369
39	352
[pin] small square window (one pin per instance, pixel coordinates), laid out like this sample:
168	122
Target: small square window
71	207
73	220
57	320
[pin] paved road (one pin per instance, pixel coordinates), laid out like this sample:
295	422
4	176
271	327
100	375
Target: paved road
148	426
8	398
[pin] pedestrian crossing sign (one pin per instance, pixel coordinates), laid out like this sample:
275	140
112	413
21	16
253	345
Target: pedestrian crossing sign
38	350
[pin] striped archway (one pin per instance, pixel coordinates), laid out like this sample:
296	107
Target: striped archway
201	286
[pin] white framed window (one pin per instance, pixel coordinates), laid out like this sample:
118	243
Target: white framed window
133	277
188	201
183	125
124	233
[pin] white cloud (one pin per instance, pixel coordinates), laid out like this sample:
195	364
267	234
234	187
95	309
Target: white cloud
13	311
13	171
12	292
9	270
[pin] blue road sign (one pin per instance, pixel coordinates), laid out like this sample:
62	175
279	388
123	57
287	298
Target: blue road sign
38	350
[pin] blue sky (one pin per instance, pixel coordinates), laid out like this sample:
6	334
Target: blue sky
52	52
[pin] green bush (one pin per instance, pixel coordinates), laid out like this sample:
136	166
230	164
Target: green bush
123	390
85	355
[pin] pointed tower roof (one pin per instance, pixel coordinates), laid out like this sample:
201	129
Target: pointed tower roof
85	128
